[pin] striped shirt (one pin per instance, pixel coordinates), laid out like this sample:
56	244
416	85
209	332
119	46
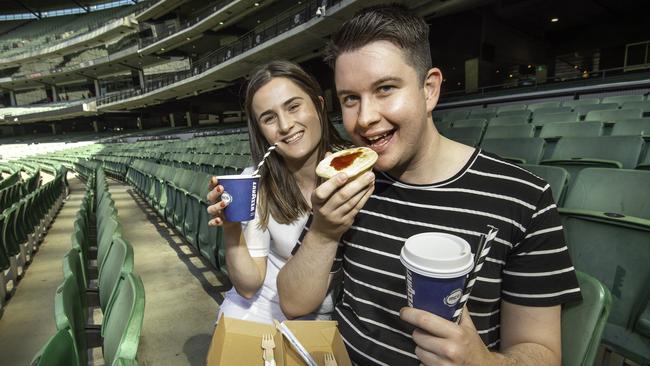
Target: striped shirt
528	263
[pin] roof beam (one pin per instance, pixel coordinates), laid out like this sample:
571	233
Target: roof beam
86	7
36	13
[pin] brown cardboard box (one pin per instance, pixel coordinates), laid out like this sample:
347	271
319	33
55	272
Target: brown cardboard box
238	342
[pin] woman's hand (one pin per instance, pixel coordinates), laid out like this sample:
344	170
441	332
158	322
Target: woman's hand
217	205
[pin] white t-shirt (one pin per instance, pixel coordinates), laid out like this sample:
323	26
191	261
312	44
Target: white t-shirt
275	243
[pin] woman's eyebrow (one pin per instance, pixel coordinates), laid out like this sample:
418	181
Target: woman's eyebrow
286	103
290	100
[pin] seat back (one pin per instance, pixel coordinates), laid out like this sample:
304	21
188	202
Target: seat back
508	120
623	151
471	122
58	351
622	99
118	260
495	132
614	115
69	313
543	105
572	129
583	322
556	177
632	127
522	150
542	119
578	102
583	110
123	323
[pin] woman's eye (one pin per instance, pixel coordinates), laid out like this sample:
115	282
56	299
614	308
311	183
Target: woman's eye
294	107
267	120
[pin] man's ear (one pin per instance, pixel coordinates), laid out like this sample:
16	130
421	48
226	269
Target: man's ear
432	84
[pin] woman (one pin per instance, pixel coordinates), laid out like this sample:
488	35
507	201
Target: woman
284	105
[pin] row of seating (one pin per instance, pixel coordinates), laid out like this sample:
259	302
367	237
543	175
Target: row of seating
10	194
98	273
180	197
606	218
22	227
580	106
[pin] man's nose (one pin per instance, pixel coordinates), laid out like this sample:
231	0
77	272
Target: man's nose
368	113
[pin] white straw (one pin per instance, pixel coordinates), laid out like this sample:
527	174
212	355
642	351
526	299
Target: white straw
268	152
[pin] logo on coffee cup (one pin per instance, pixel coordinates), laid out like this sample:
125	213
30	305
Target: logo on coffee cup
225	197
453	297
253	196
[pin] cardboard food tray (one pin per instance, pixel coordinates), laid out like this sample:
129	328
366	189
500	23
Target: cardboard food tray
238	342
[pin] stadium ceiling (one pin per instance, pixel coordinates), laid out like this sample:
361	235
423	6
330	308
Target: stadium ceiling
36	6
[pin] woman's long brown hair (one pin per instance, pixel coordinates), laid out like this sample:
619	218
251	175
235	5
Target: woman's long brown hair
279	194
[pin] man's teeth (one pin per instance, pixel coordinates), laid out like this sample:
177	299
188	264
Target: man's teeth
375	138
293	138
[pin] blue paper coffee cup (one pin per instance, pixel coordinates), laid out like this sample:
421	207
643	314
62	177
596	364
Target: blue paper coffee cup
240	191
437	265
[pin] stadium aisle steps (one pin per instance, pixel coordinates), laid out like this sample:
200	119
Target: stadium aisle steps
28	320
182	294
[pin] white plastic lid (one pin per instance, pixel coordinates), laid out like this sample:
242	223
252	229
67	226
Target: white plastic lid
437	255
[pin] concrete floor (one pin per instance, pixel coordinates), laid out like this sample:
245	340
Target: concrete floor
182	291
28	320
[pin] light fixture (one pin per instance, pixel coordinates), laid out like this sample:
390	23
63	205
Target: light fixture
162	48
188	38
530	66
509	75
555	20
257	4
220	23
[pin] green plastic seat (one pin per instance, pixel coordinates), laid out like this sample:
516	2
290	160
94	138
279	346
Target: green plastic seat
572	129
496	132
125	362
508	121
543	105
195	198
519	150
607	226
456	114
118	260
643	106
583	322
583	110
632	127
577	153
644	162
472	122
522	113
469	135
556	177
579	102
614	115
58	351
73	266
511	108
622	99
540	119
69	313
123	323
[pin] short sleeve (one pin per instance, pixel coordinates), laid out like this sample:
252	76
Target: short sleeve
338	260
538	271
258	241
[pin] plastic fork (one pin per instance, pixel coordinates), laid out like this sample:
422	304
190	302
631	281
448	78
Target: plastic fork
330	360
268	345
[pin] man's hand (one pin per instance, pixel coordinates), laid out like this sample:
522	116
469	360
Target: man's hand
337	201
442	342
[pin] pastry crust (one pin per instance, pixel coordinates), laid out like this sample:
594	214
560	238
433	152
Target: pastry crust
345	161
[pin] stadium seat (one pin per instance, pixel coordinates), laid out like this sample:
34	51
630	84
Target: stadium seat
551	110
613	115
508	120
632	127
556	177
456	114
123	323
486	113
542	119
583	110
524	113
195	196
644	162
472	122
579	102
468	135
518	150
441	124
571	129
59	350
606	213
583	322
119	260
644	106
494	132
576	153
510	108
73	266
622	99
69	313
543	105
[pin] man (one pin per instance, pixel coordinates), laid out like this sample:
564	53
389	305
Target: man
425	182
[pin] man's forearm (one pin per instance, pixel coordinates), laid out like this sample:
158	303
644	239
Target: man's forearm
527	354
303	282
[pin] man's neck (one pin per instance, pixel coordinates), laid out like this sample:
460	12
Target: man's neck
438	160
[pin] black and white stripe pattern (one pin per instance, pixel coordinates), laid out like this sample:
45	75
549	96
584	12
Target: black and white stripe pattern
528	263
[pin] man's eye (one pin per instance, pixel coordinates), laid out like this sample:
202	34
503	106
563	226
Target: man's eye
386	88
349	99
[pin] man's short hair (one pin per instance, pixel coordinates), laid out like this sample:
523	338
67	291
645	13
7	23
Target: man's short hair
393	23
